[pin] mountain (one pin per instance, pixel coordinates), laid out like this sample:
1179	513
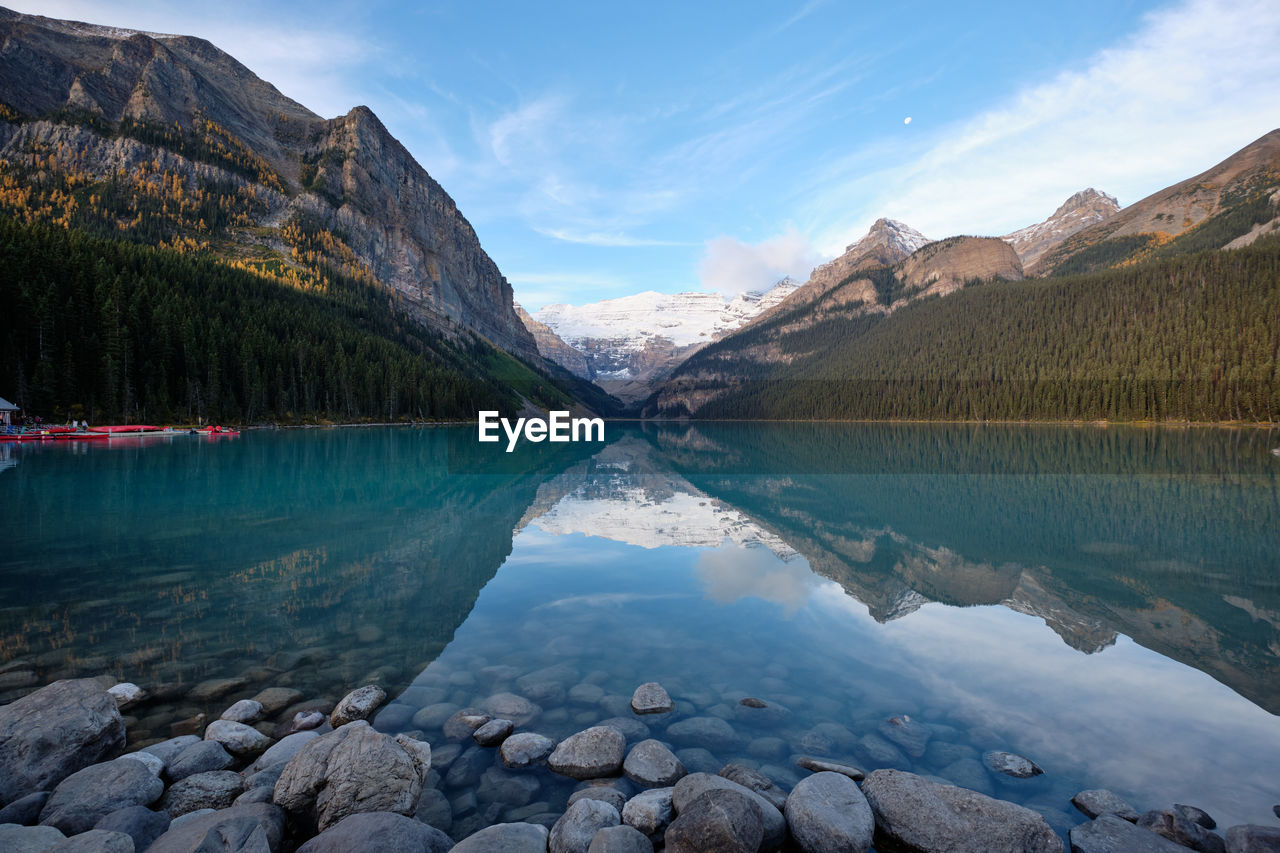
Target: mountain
633	341
551	346
1083	209
1231	204
170	143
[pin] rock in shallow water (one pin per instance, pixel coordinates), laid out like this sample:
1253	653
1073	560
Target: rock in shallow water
649	811
1175	826
509	706
87	796
573	832
589	754
379	832
918	814
1110	834
351	770
710	732
1196	815
827	813
359	704
651	764
695	785
1011	764
126	694
236	738
245	711
1252	838
755	781
723	821
493	732
47	735
1100	801
651	698
620	839
526	749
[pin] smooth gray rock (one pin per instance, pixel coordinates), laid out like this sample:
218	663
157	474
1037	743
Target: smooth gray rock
28	839
833	738
918	814
379	832
126	694
95	841
1252	838
1196	815
620	839
1011	764
26	811
433	809
589	754
493	733
184	819
254	828
1111	834
170	749
283	750
201	757
651	698
509	706
827	813
88	795
525	749
710	732
216	789
650	811
138	822
254	795
718	821
275	699
651	764
755	781
153	763
872	747
236	738
353	769
462	724
245	711
506	838
574	831
605	794
1174	826
1100	801
48	735
699	760
304	721
467	768
359	704
910	736
694	785
632	729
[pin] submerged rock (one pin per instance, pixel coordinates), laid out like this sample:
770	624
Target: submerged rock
1175	826
351	770
1011	764
245	711
827	813
48	735
1110	834
526	749
1252	838
1100	801
710	732
509	706
917	814
910	736
493	732
603	793
651	698
379	832
589	754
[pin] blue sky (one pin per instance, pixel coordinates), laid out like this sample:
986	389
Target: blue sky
604	149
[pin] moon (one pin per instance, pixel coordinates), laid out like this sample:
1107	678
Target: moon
907	120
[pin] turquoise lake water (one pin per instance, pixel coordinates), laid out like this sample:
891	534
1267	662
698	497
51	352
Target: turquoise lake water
1103	601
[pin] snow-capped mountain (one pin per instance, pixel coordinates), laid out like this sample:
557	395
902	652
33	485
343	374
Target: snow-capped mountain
1075	214
631	340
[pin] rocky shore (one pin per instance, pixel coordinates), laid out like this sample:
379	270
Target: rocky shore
270	776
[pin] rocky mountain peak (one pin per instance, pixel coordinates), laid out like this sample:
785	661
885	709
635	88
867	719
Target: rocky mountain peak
889	234
1085	208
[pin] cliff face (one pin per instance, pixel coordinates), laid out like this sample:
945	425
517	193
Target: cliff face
944	267
1085	208
551	346
98	104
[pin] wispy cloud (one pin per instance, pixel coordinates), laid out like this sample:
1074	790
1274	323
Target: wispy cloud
598	238
536	290
1183	92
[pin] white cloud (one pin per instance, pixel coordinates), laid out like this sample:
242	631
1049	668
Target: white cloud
1193	85
731	266
599	238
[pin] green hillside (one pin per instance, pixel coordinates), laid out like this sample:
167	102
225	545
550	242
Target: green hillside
108	330
1193	337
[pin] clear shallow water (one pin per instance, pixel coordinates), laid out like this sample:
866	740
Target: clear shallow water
1104	601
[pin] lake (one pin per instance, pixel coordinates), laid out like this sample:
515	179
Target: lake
1104	601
